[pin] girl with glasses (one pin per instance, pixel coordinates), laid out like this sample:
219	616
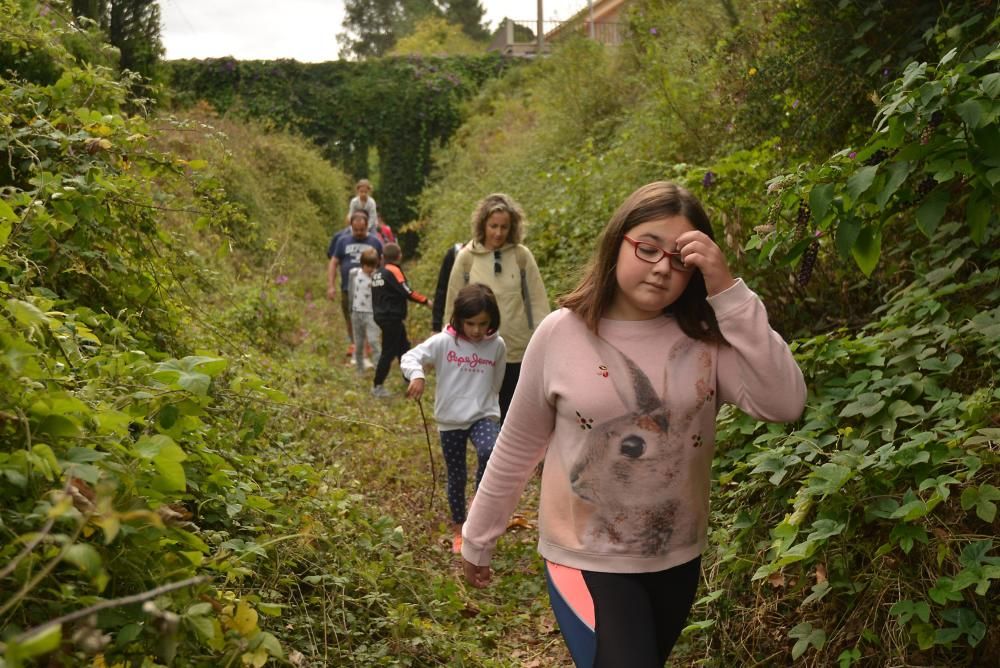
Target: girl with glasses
618	395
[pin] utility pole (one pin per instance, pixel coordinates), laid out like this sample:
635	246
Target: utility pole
541	29
590	5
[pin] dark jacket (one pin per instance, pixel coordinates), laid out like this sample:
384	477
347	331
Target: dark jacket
390	292
441	293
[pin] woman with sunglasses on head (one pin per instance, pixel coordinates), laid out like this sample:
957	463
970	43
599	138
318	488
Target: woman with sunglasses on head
619	396
496	258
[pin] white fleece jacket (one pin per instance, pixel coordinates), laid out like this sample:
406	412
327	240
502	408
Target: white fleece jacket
469	376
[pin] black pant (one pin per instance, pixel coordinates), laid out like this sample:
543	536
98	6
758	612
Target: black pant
510	376
640	615
394	344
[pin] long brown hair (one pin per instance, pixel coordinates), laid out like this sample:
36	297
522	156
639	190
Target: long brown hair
593	295
498	203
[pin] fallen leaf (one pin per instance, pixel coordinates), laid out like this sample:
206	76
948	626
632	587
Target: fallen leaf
820	573
777	579
518	522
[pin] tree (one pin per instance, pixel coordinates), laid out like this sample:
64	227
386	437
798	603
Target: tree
468	14
372	27
434	36
132	26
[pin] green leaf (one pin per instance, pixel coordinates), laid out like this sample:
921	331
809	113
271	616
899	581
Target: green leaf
971	112
931	211
977	215
819	200
6	214
168	463
898	171
991	84
867	404
860	181
848	230
86	558
867	248
807	636
43	642
27	314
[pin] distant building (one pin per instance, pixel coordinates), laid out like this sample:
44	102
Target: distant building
519	37
608	23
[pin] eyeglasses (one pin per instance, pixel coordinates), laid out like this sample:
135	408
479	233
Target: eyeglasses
497	265
652	254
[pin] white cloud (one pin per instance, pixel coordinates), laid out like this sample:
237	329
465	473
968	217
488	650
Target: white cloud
305	30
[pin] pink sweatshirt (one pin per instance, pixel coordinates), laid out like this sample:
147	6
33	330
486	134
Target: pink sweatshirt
626	424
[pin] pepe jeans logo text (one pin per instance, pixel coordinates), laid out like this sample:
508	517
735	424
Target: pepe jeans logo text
473	361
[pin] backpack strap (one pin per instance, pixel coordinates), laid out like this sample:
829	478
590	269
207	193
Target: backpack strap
521	253
465	263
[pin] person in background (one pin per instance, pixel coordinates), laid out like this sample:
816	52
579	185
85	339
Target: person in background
496	258
441	291
390	294
469	357
366	332
384	232
345	254
363	201
619	395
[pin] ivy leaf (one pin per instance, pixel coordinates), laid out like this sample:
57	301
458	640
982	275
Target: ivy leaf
867	248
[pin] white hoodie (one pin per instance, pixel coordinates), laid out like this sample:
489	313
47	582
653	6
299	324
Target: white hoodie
469	376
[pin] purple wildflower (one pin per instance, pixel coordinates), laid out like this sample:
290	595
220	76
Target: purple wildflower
795	105
709	179
281	280
852	155
654	32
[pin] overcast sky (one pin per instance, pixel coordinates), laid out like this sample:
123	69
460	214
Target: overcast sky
305	30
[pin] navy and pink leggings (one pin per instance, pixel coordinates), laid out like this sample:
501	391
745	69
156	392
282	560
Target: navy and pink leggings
483	434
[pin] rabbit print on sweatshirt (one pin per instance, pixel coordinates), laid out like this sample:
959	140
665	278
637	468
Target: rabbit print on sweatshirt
629	465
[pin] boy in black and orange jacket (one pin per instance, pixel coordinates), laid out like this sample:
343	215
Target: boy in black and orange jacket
390	292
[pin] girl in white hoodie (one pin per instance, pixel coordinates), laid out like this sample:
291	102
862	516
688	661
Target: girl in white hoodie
470	358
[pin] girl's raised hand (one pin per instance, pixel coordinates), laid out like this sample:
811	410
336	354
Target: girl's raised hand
698	250
477	576
415	389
